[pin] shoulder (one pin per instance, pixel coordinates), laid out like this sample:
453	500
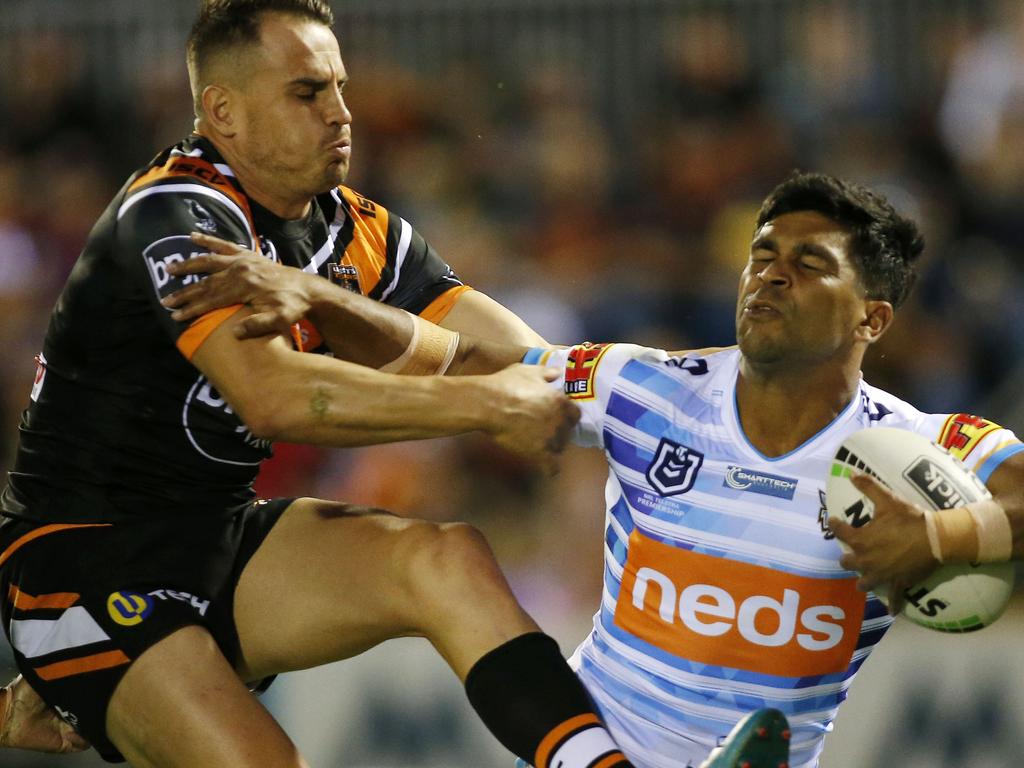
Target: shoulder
699	362
957	432
881	408
198	190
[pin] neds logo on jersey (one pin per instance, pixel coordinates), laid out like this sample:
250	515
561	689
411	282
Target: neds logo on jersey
713	610
164	252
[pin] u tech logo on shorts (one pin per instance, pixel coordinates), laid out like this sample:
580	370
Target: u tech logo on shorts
712	610
129	608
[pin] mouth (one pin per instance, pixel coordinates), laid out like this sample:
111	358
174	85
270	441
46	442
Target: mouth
341	147
760	308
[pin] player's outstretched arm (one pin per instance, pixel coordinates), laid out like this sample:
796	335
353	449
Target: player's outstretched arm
282	394
354	327
26	722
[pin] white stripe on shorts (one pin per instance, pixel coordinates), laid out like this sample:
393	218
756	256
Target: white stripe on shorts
580	750
38	637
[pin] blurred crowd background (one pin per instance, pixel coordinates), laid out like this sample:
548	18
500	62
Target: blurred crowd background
595	165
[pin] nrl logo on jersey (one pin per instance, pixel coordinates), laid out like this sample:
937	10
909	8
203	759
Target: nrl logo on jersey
674	468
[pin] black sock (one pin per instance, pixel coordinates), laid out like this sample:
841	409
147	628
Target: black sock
534	704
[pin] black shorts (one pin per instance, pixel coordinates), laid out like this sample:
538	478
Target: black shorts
80	603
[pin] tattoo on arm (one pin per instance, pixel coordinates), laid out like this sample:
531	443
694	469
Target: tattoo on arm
318	404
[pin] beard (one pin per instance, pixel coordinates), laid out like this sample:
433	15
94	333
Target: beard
760	349
302	179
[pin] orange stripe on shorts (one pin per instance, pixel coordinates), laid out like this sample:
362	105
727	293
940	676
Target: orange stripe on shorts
82	665
558	733
46	529
613	759
23	601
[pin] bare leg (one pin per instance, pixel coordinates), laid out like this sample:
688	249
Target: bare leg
332	580
181	705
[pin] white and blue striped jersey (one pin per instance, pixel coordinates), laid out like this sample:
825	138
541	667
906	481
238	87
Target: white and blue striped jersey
722	585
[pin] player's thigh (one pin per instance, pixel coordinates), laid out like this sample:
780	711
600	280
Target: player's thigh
331	580
181	704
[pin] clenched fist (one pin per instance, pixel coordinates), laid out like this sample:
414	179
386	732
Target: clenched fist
530	417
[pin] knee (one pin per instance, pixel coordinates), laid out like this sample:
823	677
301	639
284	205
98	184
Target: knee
450	559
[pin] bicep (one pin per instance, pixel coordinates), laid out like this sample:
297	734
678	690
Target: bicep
479	314
244	372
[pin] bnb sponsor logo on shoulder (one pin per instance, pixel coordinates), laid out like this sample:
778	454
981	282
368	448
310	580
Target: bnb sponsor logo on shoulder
164	252
717	611
129	608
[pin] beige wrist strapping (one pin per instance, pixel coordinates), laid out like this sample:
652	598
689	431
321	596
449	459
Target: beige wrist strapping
977	533
431	350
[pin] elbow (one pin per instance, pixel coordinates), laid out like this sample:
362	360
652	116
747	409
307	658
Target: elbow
264	426
264	419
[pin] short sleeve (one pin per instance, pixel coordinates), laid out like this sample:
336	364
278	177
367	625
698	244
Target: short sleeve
395	262
982	445
426	285
153	232
588	374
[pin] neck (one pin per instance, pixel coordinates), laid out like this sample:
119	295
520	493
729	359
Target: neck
781	408
261	187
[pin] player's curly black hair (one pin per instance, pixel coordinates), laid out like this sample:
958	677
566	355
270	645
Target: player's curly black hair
884	243
227	23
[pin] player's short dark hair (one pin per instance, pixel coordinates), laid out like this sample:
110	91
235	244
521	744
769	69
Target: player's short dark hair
884	243
227	23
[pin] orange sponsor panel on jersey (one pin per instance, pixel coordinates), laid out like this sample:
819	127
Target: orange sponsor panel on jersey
713	610
367	251
962	432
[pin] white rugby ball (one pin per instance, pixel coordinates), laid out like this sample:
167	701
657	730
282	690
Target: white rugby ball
958	597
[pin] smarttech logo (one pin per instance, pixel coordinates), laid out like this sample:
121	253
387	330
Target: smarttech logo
752	481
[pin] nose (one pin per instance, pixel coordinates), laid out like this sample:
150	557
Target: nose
336	112
775	273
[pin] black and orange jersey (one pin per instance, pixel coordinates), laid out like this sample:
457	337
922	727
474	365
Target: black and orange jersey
120	424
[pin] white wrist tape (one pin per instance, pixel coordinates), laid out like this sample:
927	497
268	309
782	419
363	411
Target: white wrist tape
431	351
933	534
995	536
977	533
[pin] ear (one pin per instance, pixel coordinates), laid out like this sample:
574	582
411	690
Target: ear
219	110
878	316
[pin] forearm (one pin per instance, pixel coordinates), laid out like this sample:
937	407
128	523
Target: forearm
989	530
356	328
373	334
1007	487
476	356
307	398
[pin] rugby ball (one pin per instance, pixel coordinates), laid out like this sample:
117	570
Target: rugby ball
958	597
